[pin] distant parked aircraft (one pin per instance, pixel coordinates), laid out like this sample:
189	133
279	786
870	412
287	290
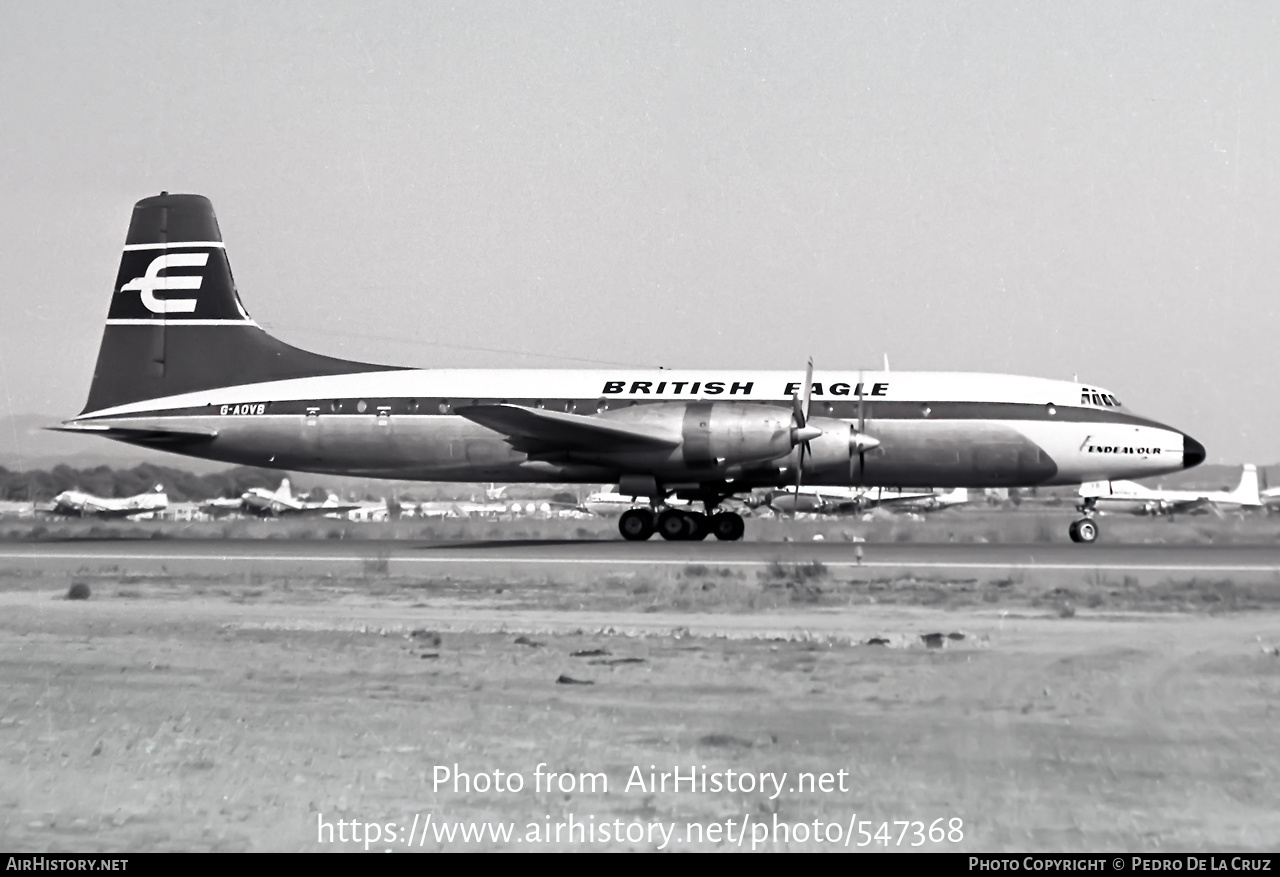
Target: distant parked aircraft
840	501
609	503
276	504
1133	498
281	503
78	504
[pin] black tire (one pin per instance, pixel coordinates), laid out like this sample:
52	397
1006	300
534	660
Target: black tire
1074	531
636	525
1086	531
672	526
728	526
699	526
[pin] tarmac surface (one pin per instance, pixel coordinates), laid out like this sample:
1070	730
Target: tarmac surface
238	694
548	556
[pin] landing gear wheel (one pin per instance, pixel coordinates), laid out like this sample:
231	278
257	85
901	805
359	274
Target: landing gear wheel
672	526
728	526
698	526
636	525
1083	530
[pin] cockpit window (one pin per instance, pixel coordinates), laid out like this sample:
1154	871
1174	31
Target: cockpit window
1090	396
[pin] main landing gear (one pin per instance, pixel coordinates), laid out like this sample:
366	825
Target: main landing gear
637	525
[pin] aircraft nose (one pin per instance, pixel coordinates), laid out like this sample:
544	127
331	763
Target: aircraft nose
1192	452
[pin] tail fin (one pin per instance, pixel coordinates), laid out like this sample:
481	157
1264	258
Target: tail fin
1246	492
176	324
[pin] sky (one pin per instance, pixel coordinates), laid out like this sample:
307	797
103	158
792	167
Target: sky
1086	189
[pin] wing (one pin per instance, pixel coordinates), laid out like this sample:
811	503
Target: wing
1183	506
534	430
315	511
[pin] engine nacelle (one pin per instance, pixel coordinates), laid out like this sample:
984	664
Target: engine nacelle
730	433
831	452
712	435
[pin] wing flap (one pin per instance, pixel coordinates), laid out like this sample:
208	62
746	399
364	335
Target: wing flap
529	429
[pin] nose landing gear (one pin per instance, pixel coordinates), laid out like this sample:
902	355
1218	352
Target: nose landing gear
1083	530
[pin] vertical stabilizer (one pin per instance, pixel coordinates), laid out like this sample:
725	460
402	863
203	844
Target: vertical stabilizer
1246	492
176	324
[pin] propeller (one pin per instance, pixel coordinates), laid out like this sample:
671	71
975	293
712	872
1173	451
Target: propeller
860	441
801	432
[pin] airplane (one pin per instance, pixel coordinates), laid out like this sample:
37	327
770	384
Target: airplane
183	367
281	502
608	503
1126	496
844	500
219	507
375	511
78	504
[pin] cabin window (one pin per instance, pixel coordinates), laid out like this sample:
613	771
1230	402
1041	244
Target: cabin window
1050	409
602	405
445	407
413	404
538	403
569	406
1084	399
335	406
925	409
362	406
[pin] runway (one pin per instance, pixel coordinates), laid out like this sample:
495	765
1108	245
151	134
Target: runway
546	557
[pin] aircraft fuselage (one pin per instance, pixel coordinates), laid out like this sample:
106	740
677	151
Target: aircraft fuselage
935	429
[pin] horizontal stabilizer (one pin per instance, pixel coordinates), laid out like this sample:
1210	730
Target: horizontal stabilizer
530	429
151	436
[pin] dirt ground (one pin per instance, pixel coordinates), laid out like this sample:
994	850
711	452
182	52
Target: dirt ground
237	713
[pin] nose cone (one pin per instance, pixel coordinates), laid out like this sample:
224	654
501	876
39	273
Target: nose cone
1192	452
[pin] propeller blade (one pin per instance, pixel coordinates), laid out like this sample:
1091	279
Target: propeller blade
801	432
808	387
